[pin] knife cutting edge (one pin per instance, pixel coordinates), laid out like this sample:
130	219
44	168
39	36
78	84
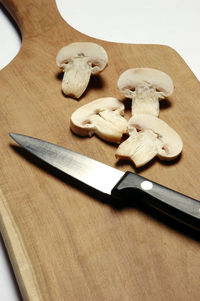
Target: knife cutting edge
112	181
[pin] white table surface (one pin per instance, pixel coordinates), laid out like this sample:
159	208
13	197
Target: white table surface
175	23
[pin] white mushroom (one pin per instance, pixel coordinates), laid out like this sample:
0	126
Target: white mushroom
102	117
145	86
149	137
79	60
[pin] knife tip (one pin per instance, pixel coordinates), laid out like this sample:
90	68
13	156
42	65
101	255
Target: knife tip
15	136
12	135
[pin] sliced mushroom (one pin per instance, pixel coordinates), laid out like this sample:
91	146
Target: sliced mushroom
78	61
149	137
145	86
103	117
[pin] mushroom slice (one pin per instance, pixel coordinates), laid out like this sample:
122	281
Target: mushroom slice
145	86
149	134
103	117
78	61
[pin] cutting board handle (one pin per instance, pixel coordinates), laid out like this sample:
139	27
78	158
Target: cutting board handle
33	16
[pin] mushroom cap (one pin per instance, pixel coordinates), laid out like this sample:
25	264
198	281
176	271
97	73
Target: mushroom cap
96	54
102	117
172	142
132	78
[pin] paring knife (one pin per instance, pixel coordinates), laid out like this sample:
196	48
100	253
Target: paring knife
114	182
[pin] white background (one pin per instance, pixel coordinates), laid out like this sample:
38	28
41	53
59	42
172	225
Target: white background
175	23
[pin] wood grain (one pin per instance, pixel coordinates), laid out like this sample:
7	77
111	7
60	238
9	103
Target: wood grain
65	242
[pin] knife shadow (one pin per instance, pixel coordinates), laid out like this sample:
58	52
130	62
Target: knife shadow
114	203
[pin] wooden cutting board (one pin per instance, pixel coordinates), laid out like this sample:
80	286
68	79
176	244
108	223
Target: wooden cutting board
65	242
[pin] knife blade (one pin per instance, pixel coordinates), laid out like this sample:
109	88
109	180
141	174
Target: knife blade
112	181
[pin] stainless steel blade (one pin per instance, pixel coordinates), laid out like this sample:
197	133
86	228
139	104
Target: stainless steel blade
91	172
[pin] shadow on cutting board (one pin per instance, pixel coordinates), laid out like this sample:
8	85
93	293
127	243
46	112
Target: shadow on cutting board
114	203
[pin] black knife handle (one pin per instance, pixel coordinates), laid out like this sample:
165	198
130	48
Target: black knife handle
175	204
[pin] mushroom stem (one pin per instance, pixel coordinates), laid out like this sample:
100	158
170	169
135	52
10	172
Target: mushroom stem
140	147
145	100
76	76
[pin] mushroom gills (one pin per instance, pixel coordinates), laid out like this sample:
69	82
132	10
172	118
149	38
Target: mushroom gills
141	147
